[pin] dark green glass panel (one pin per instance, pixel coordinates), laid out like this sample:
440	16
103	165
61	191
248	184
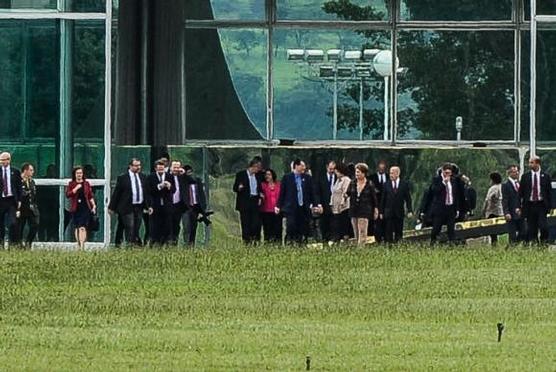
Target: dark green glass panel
27	4
455	10
225	9
451	74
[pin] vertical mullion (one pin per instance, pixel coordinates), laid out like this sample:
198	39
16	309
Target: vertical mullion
107	117
533	86
394	81
270	18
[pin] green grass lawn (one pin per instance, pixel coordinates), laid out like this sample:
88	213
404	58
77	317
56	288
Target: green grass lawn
235	309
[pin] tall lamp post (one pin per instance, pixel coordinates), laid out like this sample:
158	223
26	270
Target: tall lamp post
459	127
382	64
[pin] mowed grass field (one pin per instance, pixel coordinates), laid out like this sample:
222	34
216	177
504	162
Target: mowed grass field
230	308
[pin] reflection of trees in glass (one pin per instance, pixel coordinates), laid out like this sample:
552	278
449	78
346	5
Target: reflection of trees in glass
468	74
457	10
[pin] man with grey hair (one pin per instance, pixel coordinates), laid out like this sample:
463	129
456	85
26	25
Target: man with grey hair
10	198
395	200
534	192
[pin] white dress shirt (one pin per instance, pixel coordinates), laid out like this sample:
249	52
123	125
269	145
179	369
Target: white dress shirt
449	195
8	180
176	197
538	175
136	189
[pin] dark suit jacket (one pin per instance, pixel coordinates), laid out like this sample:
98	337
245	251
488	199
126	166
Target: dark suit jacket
510	200
121	201
322	192
15	180
392	203
287	201
526	186
156	195
362	206
243	196
378	185
199	191
438	195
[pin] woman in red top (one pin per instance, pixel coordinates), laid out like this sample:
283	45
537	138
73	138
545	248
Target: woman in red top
83	205
272	223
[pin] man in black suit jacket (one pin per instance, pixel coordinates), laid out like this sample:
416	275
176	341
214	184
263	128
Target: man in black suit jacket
445	194
396	197
129	199
161	188
196	201
179	200
511	204
379	179
323	192
247	187
10	198
534	191
296	201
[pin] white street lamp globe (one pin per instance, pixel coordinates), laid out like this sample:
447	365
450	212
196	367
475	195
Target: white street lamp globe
382	63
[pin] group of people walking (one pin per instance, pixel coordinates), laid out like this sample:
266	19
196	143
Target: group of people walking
347	202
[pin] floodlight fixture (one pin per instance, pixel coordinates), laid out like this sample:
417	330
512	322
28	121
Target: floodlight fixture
334	55
370	54
314	55
326	71
296	54
352	55
345	72
382	63
363	71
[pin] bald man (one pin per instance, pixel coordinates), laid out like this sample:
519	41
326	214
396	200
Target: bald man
395	200
10	198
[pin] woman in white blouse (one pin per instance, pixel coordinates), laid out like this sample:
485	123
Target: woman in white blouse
492	206
339	203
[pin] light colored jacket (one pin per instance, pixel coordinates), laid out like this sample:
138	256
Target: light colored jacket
339	201
493	201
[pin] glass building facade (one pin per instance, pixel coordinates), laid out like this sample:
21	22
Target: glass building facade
94	82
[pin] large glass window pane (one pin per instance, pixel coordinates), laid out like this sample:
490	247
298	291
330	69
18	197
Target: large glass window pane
354	10
455	10
451	74
98	6
305	87
225	73
225	9
27	4
544	7
546	86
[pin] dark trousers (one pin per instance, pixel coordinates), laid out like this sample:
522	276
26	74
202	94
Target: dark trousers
119	235
516	231
393	227
32	222
297	225
190	223
493	238
536	221
341	226
378	229
160	224
251	221
447	216
131	223
272	227
177	211
325	225
8	210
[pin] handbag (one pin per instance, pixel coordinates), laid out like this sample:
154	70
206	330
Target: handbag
94	223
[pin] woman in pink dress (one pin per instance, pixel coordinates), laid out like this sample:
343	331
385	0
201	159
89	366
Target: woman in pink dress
272	223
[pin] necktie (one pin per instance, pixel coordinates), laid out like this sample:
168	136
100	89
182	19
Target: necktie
535	187
136	182
448	196
299	191
516	186
5	183
395	186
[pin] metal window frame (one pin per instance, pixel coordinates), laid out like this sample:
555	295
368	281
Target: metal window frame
61	15
394	24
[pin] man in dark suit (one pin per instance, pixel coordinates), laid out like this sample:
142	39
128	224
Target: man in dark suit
396	197
247	187
178	206
534	191
196	201
10	198
445	196
161	188
380	178
129	199
323	191
511	204
296	202
29	211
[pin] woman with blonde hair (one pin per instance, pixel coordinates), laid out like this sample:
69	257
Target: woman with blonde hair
339	204
363	206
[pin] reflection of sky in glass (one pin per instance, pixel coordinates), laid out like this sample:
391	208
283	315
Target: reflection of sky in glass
245	53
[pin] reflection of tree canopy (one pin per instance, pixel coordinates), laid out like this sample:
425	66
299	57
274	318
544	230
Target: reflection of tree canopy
468	74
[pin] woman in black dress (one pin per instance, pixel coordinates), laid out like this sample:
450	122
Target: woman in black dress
363	206
83	205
